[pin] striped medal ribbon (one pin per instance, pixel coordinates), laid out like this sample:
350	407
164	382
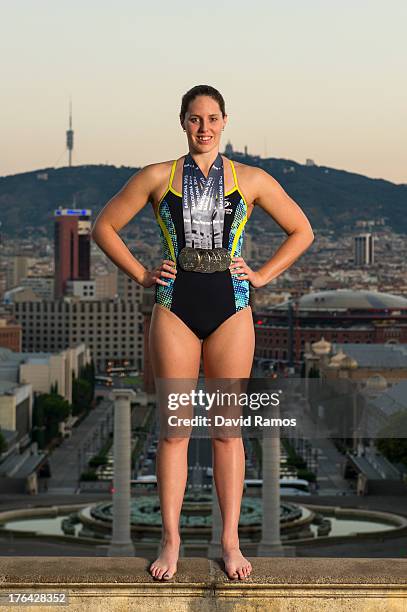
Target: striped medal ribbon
203	215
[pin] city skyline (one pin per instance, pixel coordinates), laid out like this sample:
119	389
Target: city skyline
299	81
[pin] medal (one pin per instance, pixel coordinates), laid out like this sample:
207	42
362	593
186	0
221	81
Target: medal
223	257
189	258
216	263
205	263
203	214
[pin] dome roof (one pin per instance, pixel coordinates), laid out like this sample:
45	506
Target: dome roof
376	383
321	347
348	363
347	298
336	360
334	364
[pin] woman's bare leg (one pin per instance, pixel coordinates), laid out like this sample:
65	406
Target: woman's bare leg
175	352
228	353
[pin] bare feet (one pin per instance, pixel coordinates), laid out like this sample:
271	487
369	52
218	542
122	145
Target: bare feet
166	565
236	565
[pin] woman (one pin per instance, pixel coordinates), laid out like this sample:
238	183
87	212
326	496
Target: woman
199	314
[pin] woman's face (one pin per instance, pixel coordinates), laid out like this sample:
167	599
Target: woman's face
203	124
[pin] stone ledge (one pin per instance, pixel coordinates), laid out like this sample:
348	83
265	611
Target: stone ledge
197	570
285	584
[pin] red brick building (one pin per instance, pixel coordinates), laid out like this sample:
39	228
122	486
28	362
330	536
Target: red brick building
342	316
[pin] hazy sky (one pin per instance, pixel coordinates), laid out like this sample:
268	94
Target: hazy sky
324	79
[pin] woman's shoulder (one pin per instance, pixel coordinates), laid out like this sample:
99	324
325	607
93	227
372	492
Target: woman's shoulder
155	174
244	171
158	169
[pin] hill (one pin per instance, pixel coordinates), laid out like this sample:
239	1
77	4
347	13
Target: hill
332	199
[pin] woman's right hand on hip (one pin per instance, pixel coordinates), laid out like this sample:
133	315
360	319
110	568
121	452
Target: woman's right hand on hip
167	269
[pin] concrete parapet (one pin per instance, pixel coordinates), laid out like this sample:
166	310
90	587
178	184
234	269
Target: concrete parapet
278	584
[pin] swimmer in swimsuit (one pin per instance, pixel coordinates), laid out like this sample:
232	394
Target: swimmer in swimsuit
202	301
200	314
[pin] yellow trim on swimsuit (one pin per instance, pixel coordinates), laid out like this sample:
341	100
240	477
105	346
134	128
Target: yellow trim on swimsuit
244	220
236	183
167	236
170	188
159	218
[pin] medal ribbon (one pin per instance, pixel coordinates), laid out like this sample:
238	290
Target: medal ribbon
203	204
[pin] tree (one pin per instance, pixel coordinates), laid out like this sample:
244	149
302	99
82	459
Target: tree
3	443
82	395
49	410
395	449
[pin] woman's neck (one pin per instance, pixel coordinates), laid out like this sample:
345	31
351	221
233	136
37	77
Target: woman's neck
204	160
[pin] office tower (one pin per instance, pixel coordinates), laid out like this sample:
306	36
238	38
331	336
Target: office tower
72	247
363	249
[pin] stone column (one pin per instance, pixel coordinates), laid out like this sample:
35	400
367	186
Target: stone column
270	543
121	544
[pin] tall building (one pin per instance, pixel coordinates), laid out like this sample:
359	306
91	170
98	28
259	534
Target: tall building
17	271
72	247
112	329
363	249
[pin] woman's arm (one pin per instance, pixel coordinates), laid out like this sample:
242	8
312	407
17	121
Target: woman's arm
135	194
288	215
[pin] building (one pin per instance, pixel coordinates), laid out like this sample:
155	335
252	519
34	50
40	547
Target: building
42	286
128	289
238	155
17	271
22	375
72	247
10	335
44	370
363	249
112	329
341	316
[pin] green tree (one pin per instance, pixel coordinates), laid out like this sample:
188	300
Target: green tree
3	443
82	395
395	449
49	410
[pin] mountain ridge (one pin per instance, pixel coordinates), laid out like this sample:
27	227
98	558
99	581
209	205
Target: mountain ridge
332	199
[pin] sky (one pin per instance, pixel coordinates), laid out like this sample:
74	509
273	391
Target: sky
319	79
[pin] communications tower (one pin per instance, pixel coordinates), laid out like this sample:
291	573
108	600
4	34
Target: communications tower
69	135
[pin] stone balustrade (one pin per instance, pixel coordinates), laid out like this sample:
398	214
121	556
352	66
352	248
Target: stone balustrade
110	584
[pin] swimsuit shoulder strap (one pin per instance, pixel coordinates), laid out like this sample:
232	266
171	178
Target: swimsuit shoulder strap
234	174
174	165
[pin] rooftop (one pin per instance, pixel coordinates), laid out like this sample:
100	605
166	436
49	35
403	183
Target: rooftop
375	355
348	298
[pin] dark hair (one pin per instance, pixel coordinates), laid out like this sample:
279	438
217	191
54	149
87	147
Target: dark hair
201	90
